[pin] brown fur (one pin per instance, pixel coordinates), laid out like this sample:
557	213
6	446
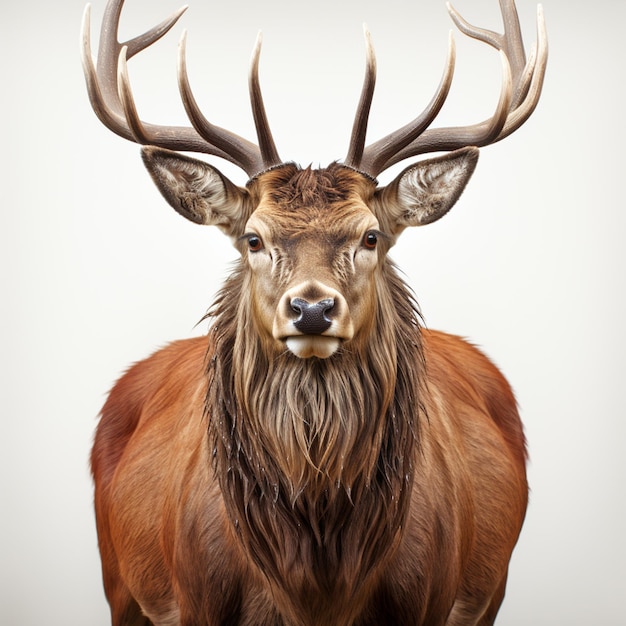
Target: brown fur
289	186
238	484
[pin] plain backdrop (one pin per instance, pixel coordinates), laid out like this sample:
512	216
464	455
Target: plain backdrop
97	271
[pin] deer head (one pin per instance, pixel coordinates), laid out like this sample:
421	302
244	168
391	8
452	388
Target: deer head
313	241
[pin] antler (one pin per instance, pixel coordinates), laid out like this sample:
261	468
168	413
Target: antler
112	100
521	87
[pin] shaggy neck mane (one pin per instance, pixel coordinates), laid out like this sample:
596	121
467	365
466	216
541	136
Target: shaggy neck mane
314	456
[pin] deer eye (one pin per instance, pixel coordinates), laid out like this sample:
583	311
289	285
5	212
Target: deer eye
370	240
254	243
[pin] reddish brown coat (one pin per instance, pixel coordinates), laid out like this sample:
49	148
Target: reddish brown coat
165	536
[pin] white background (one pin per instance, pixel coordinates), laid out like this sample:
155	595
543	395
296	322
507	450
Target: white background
97	271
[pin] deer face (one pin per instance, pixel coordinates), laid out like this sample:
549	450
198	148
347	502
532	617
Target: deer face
312	247
313	241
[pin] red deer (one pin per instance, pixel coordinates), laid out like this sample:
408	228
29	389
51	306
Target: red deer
319	458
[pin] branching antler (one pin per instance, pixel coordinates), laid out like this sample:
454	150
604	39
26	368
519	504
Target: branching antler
521	87
112	100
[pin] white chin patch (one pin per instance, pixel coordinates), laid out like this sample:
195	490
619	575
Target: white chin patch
306	346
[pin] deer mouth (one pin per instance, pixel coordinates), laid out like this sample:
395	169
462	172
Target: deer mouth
308	346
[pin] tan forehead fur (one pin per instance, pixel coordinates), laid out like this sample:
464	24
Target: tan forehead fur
293	200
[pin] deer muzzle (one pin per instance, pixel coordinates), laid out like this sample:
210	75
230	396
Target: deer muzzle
313	320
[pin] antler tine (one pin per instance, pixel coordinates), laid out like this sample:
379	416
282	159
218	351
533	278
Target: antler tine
127	100
111	96
521	87
242	151
359	128
510	42
377	155
110	48
269	154
452	138
111	118
539	60
141	42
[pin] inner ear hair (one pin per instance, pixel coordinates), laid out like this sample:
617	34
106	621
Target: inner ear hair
426	191
197	190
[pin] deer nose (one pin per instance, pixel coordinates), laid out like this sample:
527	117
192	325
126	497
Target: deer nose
312	318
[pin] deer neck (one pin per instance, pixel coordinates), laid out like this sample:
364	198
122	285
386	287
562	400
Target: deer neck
314	456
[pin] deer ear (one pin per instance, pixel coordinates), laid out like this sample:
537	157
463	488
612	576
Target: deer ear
197	190
424	192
